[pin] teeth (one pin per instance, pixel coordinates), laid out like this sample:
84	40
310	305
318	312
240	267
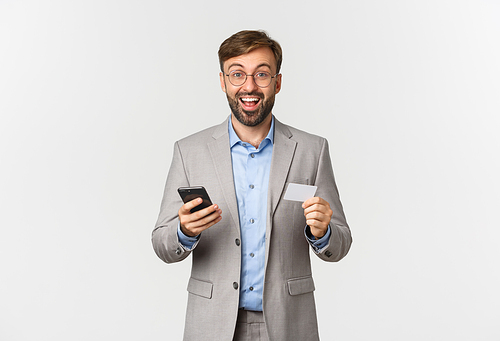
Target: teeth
250	99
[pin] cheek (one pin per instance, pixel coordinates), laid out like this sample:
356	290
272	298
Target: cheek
269	96
231	95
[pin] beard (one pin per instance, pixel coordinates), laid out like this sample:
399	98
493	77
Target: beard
251	118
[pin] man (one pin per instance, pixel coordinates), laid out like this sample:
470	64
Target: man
251	272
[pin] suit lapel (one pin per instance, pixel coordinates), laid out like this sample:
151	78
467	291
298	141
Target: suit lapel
220	152
283	151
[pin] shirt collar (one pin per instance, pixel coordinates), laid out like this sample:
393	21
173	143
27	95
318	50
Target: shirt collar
234	139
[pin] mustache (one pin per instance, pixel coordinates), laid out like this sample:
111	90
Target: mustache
255	94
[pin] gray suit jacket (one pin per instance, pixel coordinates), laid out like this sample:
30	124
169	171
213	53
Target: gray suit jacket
288	302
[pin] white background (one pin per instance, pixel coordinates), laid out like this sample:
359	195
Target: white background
93	95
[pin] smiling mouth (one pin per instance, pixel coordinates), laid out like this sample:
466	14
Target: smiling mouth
249	103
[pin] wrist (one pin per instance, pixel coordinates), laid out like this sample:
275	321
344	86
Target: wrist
186	232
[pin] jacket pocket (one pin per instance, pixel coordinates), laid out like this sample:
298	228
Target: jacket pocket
302	285
200	288
297	181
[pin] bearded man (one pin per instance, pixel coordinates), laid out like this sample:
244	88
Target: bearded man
251	273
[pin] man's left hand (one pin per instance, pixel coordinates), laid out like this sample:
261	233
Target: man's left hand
318	214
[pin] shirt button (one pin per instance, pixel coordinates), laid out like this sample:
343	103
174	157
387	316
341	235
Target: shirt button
252	155
251	288
244	144
252	221
235	285
251	186
252	255
237	241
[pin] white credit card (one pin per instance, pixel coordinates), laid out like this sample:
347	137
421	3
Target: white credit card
298	192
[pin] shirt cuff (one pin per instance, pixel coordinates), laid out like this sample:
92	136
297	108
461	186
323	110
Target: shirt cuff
317	244
187	242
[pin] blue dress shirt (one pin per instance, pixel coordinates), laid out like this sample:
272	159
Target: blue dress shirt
251	167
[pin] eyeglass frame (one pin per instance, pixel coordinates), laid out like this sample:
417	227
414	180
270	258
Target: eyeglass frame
246	77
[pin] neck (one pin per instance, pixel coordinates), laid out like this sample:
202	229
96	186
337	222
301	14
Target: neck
253	135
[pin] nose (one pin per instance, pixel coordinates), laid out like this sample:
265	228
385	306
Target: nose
249	84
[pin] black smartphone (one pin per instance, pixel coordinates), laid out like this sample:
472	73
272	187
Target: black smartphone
190	193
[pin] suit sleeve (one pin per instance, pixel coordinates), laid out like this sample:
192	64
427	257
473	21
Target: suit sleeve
340	238
164	237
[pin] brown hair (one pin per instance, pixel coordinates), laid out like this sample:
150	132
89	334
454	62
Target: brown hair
247	41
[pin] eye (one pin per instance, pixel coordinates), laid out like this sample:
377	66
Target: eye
237	74
262	75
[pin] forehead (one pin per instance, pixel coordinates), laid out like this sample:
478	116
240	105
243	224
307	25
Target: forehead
262	57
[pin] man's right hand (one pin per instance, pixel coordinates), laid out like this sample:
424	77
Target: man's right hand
192	224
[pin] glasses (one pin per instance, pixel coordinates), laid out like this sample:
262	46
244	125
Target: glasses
261	78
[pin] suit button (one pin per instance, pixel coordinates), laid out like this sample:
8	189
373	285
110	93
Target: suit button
178	251
237	241
235	285
328	254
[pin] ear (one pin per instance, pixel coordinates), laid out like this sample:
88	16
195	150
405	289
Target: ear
222	83
278	84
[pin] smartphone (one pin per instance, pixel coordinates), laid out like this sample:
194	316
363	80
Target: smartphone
189	193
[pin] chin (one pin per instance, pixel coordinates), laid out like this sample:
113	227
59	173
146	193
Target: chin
252	118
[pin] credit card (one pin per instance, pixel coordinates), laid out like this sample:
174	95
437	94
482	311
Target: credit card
299	192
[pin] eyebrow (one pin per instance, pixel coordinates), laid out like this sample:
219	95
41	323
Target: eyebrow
258	66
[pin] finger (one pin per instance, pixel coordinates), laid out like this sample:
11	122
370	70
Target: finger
316	226
210	220
316	216
321	216
187	207
316	207
313	201
199	225
200	219
206	211
186	216
318	223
